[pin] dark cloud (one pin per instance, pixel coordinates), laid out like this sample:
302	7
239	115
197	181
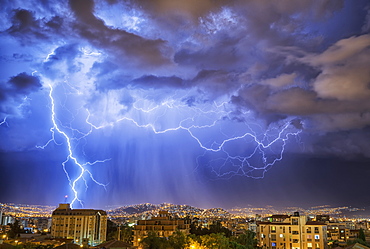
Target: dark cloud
122	72
151	81
25	83
119	43
350	145
56	23
14	92
109	76
22	57
23	21
62	57
20	85
192	8
223	55
30	30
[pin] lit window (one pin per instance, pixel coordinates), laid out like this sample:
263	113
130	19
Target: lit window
317	236
309	245
294	221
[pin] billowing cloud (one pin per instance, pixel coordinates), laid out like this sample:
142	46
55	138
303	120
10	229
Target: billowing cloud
15	91
206	84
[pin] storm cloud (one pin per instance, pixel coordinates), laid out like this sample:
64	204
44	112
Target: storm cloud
123	73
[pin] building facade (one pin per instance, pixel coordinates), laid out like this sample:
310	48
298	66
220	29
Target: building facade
291	232
84	226
164	225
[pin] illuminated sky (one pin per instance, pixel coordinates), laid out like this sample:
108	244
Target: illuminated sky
207	103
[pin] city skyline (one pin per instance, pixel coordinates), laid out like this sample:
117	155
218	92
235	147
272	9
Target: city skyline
182	211
208	104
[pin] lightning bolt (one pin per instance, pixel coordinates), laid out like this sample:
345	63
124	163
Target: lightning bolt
70	157
4	121
258	148
264	143
243	165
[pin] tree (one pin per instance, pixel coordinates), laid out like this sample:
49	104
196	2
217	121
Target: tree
248	239
178	240
213	228
152	241
36	246
126	234
334	244
361	235
360	241
15	230
111	230
215	241
218	228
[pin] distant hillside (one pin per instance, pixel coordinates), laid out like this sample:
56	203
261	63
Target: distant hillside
147	209
133	209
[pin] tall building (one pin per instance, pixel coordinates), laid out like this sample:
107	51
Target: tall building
291	232
84	226
164	225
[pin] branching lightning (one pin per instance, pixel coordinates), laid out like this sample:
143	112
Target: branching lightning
263	143
4	121
233	143
70	156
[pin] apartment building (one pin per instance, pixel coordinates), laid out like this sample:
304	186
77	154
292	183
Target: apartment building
291	232
84	226
164	225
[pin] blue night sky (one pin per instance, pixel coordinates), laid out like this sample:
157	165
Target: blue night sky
208	103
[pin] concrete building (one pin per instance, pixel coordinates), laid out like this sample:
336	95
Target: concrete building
43	224
291	232
84	226
7	219
164	225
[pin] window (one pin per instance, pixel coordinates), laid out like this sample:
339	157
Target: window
317	236
309	245
317	245
273	229
281	235
295	240
294	221
308	230
316	230
273	237
295	232
273	244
